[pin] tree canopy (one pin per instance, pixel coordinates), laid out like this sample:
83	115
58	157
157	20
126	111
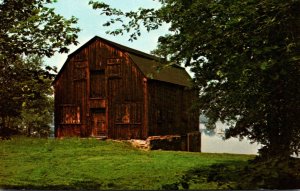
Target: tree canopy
245	57
30	30
32	27
26	102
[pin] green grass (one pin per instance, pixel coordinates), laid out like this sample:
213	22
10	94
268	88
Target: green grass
92	164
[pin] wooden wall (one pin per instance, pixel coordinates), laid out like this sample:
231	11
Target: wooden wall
100	77
125	99
70	97
170	109
101	86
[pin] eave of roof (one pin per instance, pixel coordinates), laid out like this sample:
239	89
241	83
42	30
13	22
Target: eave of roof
152	69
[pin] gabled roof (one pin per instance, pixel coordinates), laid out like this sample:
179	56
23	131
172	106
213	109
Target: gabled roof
147	63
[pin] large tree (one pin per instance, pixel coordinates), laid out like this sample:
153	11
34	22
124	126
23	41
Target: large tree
26	103
245	57
30	29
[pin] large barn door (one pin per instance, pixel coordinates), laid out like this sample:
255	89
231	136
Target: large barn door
99	127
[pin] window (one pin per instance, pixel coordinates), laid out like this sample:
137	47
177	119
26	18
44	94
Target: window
80	64
80	70
97	89
128	113
114	67
112	61
122	113
70	115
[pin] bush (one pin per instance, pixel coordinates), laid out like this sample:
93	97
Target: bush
275	173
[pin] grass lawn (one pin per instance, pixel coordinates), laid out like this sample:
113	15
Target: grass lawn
91	164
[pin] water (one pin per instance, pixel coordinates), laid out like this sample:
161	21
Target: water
212	142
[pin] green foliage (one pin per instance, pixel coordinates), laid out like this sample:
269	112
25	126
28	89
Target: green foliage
37	116
245	57
31	27
25	96
90	164
143	17
276	173
37	108
224	175
29	30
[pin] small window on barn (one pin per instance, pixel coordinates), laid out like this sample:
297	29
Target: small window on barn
112	61
80	64
79	70
70	115
128	113
114	67
97	84
123	113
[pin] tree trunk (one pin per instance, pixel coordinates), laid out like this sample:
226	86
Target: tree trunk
4	130
29	131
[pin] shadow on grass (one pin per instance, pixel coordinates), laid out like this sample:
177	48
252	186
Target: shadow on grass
76	185
220	176
254	174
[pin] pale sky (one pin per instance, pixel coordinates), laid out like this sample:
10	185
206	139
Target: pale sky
90	22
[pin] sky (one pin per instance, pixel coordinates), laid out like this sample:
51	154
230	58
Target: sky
90	22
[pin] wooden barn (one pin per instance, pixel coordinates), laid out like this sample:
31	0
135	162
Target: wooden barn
107	89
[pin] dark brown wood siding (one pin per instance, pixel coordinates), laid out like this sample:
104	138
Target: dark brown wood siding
71	99
170	109
99	76
125	99
102	91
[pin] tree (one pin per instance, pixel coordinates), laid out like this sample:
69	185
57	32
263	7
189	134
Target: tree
246	59
37	109
10	93
245	56
25	96
37	116
31	27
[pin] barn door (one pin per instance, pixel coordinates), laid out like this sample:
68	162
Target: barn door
99	127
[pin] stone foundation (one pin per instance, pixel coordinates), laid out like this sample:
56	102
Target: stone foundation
190	142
